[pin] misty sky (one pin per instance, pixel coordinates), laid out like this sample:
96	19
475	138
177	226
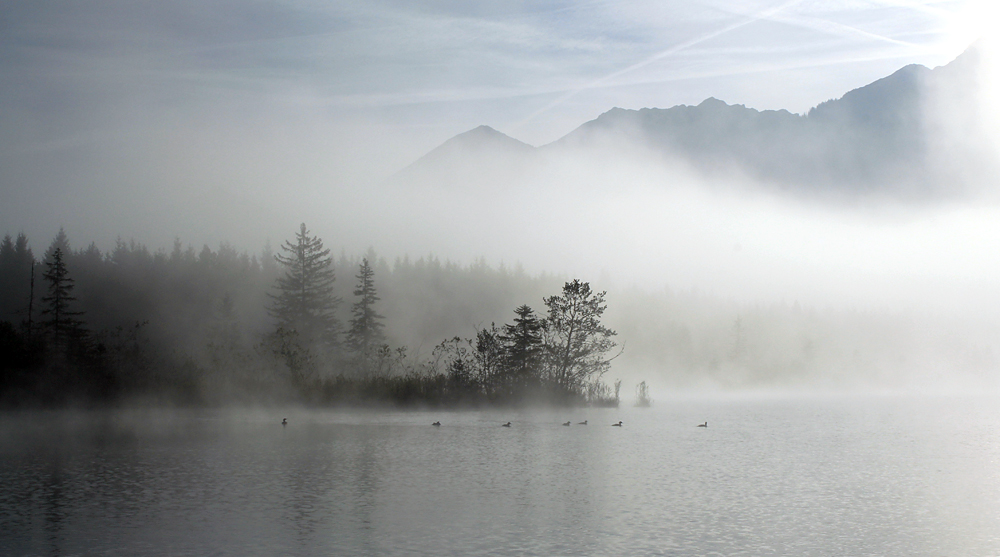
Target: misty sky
235	121
80	71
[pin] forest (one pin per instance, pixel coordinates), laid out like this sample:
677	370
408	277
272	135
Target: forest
224	326
78	326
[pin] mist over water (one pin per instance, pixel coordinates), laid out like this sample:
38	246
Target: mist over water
770	475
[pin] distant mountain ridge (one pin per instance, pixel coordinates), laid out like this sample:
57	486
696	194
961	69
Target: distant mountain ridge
488	151
866	135
872	137
482	137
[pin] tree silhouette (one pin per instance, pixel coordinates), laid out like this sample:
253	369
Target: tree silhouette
575	340
62	324
60	242
489	356
305	302
16	274
523	341
365	333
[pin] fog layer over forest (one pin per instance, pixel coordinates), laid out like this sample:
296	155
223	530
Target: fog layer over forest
714	279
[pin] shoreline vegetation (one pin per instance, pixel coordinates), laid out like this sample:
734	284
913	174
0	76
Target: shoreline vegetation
82	328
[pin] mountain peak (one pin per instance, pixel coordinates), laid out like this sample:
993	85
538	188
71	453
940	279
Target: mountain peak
480	144
871	137
711	102
482	137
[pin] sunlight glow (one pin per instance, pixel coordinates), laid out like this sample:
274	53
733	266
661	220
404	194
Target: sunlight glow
976	20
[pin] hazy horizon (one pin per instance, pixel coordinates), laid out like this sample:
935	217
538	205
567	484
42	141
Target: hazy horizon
155	122
233	124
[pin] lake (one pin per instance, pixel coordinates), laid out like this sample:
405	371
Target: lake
771	475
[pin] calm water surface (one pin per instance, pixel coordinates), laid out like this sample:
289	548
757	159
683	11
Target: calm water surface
769	476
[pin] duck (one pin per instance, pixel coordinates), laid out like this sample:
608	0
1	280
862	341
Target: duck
566	423
436	423
703	425
284	421
619	424
584	422
506	424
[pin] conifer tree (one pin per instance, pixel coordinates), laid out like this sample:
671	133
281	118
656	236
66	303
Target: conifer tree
60	242
305	302
62	323
16	267
523	341
6	253
9	282
366	325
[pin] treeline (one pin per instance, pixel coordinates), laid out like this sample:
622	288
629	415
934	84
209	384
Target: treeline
180	326
198	326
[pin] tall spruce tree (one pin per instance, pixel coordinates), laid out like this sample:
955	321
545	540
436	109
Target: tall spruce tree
365	333
62	323
523	340
575	340
305	302
60	242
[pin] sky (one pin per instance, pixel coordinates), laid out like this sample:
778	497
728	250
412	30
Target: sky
425	71
234	121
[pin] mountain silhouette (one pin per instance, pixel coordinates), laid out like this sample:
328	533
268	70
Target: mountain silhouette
868	135
874	137
478	139
467	156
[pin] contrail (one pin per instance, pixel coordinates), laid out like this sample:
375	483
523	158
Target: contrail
835	28
660	55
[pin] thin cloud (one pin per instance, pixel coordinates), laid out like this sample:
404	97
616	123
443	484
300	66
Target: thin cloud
659	56
835	28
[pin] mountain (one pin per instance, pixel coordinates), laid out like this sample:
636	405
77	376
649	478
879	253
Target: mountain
874	137
483	138
468	156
